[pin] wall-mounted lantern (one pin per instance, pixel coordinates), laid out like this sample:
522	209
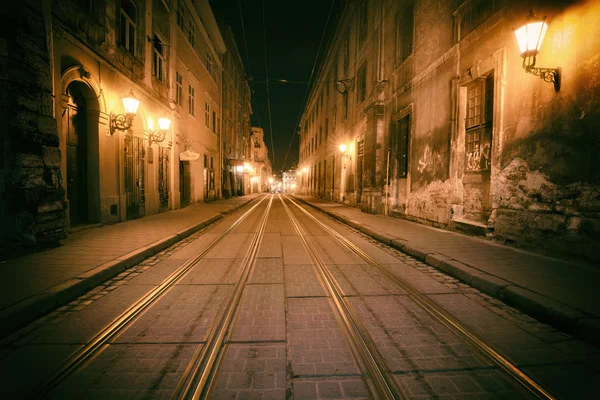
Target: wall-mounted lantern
123	122
158	135
345	155
530	37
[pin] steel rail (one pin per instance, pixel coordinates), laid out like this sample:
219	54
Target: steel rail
370	360
98	342
442	316
197	378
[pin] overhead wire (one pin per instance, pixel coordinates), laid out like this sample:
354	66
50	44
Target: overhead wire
247	53
262	3
309	82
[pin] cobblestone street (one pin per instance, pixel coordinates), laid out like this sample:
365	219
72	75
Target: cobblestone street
287	336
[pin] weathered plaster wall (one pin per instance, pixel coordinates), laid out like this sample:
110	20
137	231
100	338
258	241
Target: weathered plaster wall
32	210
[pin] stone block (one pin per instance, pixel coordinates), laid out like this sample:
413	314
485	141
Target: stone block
27	177
51	156
50	225
28	160
50	206
47	124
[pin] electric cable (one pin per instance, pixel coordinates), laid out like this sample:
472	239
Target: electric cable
262	3
309	83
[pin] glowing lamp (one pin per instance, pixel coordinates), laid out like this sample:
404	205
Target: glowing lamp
529	38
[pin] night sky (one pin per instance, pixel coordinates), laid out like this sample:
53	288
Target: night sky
294	29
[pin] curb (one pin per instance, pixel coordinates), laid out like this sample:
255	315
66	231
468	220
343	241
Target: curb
552	312
26	311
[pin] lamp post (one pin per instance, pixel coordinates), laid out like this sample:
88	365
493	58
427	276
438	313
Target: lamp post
123	122
530	37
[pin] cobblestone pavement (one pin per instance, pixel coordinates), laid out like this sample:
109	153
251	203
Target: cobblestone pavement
286	340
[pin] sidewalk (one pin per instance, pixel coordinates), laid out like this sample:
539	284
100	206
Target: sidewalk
562	293
36	283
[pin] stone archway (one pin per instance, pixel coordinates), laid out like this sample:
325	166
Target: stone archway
81	102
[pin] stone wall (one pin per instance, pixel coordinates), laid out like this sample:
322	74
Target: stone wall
32	206
535	213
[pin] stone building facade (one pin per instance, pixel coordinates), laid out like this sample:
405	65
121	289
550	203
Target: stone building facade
69	157
442	125
237	110
259	160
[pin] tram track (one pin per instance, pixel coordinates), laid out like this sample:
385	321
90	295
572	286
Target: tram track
198	377
434	310
379	382
101	340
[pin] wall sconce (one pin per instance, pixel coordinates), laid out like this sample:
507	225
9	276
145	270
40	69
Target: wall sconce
530	37
305	170
239	168
159	134
344	155
123	122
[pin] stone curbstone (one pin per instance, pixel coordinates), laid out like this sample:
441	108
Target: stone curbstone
398	244
381	237
542	308
458	270
489	284
416	252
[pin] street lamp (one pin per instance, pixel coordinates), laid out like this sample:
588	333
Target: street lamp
530	37
123	122
159	134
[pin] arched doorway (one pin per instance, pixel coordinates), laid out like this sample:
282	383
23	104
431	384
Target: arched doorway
80	126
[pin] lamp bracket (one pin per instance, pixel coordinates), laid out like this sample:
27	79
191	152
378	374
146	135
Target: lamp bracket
120	122
550	75
156	136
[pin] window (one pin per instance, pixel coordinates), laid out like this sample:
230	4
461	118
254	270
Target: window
400	146
478	124
214	121
128	23
404	33
158	60
191	100
191	34
473	13
207	115
209	62
346	106
334	119
180	20
362	84
326	127
346	53
178	89
363	22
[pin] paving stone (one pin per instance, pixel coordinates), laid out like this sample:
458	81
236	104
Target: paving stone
213	271
182	315
330	388
363	280
252	371
302	281
262	314
129	371
267	270
316	343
